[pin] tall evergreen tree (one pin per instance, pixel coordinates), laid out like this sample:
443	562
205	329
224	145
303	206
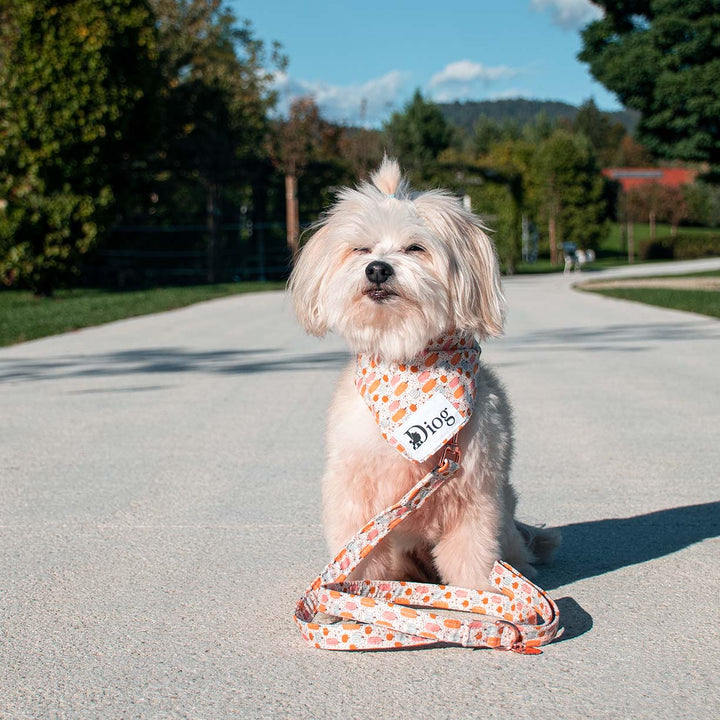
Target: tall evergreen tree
604	135
418	135
662	57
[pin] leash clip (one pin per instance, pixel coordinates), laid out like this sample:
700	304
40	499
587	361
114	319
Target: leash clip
451	452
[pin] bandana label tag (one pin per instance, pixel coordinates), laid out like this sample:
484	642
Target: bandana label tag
429	428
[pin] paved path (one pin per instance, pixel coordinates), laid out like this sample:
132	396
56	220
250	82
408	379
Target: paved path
159	515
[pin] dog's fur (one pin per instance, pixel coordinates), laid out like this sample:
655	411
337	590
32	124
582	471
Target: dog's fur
446	278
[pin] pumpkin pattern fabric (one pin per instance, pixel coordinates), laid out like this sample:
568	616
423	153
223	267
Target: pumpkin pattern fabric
419	405
377	614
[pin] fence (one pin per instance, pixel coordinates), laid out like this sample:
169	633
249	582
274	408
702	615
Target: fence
146	255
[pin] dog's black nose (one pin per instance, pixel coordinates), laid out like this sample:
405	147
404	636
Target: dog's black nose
378	272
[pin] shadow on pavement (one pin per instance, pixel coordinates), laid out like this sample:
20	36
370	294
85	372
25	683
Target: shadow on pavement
614	337
574	620
594	548
166	360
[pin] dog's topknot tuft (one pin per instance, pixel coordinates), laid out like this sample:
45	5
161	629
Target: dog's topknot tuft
388	177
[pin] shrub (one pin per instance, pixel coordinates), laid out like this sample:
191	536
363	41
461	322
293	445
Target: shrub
681	247
657	250
689	247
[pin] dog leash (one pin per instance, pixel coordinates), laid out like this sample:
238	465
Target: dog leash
379	614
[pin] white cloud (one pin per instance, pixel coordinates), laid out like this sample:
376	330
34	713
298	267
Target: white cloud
344	103
466	79
465	71
370	103
569	14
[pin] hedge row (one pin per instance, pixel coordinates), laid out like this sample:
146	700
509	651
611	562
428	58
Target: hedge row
681	247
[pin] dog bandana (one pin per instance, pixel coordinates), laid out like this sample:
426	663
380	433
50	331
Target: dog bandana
421	404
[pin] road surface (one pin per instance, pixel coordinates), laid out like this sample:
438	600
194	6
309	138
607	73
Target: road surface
160	515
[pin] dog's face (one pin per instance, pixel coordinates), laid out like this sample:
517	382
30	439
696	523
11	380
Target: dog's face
389	270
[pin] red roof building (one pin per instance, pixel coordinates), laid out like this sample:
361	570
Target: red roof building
636	177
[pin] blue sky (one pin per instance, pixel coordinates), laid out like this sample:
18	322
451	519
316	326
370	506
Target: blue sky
345	52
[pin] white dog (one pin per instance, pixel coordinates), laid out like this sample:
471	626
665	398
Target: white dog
411	281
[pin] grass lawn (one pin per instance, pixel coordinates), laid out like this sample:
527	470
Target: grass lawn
25	317
704	302
641	233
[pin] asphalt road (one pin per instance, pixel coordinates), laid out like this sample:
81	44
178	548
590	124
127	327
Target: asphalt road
159	516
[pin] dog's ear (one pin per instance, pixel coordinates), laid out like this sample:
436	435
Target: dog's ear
306	284
477	290
476	294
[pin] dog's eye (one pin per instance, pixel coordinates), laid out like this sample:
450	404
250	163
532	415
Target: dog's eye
361	250
414	248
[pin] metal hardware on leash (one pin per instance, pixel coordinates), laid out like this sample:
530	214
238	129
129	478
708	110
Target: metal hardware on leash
517	644
451	452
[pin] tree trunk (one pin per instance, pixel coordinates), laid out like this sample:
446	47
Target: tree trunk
552	234
652	225
631	242
292	213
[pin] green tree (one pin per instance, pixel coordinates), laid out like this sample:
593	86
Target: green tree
569	191
488	132
604	135
662	57
538	129
73	78
507	168
418	135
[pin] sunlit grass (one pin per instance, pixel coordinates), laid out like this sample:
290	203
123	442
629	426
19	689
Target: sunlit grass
25	317
703	302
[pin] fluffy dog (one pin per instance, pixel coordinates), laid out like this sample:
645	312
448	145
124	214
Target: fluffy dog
390	270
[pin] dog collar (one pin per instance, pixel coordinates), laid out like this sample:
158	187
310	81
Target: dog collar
421	404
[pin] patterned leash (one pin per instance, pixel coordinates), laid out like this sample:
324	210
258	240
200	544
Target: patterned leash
378	614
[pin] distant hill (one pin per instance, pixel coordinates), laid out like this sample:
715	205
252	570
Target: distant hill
466	114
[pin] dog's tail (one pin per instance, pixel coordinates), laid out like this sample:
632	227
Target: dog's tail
541	542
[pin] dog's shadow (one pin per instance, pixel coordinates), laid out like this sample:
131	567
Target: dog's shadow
597	547
600	546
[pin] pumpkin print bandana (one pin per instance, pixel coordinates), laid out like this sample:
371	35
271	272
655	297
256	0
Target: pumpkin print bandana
421	404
